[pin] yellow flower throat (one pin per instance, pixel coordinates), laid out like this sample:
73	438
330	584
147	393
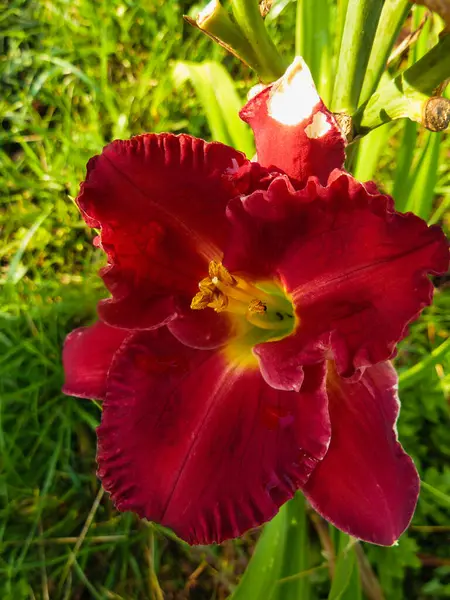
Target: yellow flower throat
263	305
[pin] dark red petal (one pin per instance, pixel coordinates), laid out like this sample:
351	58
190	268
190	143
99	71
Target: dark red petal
201	445
366	485
160	203
281	362
356	269
87	356
201	329
293	129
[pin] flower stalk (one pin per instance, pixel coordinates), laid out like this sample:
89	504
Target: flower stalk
215	22
249	19
246	37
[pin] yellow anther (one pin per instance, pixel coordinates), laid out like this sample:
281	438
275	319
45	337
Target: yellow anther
201	300
219	302
206	285
220	273
222	291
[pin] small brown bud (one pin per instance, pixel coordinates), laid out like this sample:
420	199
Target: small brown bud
345	123
436	113
264	7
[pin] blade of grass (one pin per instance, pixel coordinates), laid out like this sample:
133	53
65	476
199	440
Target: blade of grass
441	210
151	553
437	494
14	271
414	374
81	537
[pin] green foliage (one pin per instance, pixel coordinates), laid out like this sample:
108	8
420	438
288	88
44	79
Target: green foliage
392	564
345	584
220	101
279	568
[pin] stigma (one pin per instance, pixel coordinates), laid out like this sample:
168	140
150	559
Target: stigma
226	292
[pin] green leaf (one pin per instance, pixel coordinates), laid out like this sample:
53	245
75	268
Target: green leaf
359	31
292	585
220	102
369	152
313	35
392	18
346	584
400	190
278	568
424	178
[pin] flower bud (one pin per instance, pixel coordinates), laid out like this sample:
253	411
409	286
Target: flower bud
436	113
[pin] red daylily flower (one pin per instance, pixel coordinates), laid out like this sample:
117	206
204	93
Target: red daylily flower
243	354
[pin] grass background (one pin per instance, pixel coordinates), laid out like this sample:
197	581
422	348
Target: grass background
75	74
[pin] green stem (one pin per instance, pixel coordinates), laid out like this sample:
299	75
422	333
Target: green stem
388	103
249	19
407	95
357	39
215	22
391	20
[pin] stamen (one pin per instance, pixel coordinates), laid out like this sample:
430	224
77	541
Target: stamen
223	304
206	285
218	272
224	292
201	300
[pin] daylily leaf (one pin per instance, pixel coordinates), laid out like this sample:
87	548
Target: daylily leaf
344	584
281	555
369	152
424	178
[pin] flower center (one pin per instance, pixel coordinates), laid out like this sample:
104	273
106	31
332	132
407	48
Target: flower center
263	305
